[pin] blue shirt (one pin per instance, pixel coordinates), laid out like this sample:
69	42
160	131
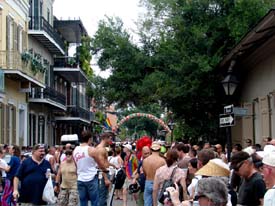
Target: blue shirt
33	180
14	164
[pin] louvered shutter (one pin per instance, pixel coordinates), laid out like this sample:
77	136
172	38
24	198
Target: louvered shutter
2	123
265	116
13	126
8	24
7	124
248	122
15	41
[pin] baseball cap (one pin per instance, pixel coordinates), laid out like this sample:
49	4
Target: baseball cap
128	146
155	146
269	159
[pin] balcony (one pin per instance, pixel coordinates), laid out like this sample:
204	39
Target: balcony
48	96
69	69
41	30
76	113
15	68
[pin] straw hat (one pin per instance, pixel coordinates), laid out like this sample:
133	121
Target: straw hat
155	146
215	167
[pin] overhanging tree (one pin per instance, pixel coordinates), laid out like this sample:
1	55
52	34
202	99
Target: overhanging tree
182	41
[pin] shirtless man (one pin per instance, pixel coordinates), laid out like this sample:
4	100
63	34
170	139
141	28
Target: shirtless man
150	165
104	181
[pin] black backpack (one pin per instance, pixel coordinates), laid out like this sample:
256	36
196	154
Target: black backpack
168	183
120	178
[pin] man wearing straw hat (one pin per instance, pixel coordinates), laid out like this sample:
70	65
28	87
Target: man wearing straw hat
269	178
252	189
150	166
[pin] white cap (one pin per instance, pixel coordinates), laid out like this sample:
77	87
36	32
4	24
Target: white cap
250	150
128	146
269	148
269	159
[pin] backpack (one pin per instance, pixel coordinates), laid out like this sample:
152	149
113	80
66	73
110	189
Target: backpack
120	178
167	183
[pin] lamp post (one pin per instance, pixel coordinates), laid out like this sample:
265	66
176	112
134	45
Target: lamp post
229	84
171	127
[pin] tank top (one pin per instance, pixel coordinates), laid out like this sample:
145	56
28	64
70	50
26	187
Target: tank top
48	157
69	177
114	161
86	165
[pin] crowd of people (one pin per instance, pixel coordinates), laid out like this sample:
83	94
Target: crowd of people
156	173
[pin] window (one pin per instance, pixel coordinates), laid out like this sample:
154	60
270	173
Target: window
2	123
48	15
32	123
19	39
2	81
9	24
41	129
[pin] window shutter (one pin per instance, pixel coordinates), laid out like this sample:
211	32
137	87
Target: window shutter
248	122
265	116
13	126
24	40
15	42
8	21
19	39
6	140
2	123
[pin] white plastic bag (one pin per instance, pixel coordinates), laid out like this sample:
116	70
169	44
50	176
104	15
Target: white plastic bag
48	192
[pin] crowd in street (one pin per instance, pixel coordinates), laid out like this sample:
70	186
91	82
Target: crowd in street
152	173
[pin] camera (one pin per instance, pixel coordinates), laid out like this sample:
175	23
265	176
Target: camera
166	196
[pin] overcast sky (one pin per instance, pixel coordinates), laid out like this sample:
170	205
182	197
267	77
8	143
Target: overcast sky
91	11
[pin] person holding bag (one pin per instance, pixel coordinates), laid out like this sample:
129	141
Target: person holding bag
164	174
32	174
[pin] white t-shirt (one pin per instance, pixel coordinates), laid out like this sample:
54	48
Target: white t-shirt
86	165
269	197
3	163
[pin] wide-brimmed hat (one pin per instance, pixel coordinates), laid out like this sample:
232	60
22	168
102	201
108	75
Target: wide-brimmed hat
215	167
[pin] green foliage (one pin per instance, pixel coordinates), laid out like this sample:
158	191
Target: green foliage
140	126
35	62
182	42
85	57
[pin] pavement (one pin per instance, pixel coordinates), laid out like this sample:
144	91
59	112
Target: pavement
130	202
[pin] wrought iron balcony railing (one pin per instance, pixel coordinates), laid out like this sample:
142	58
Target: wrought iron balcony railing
76	111
12	60
48	93
41	24
66	62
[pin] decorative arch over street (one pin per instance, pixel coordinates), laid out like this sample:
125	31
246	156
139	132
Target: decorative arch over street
148	116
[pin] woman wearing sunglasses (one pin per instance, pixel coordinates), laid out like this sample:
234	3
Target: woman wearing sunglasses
67	188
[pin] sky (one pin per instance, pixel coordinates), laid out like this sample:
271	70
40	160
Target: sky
91	11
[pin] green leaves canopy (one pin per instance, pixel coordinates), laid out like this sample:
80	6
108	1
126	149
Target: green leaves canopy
181	43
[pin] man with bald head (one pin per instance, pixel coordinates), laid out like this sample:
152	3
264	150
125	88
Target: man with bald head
150	165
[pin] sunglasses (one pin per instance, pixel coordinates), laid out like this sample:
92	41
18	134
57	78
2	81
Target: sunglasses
68	153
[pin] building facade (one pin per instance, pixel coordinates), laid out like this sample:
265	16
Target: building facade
255	68
16	73
42	89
